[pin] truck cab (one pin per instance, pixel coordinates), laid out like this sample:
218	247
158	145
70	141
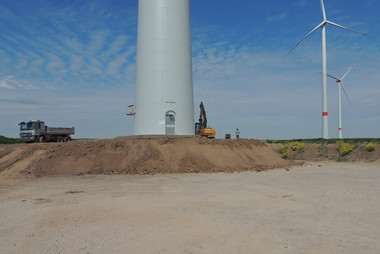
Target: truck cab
32	130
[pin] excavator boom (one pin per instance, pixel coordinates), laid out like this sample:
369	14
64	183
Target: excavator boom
202	116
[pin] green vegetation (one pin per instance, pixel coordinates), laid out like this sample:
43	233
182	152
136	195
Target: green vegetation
298	146
344	148
5	140
284	150
371	146
327	149
327	141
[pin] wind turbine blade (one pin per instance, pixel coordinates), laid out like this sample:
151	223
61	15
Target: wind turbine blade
312	31
323	10
344	89
332	77
352	66
346	28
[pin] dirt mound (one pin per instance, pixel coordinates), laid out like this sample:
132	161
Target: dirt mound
138	155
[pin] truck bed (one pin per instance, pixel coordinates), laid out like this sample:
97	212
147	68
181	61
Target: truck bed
60	131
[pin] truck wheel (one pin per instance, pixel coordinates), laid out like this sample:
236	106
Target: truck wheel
59	139
41	139
66	139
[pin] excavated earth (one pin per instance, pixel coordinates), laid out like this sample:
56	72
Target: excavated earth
139	155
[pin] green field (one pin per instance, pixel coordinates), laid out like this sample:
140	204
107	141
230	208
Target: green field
5	140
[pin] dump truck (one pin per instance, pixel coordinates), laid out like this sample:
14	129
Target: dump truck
37	131
201	128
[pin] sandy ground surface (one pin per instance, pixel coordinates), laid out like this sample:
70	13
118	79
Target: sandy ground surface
326	208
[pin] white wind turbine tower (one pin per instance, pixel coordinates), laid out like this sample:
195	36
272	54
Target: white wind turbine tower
341	85
325	125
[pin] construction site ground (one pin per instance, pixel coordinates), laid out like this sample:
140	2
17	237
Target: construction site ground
186	195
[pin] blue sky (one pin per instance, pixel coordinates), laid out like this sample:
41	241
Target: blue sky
72	63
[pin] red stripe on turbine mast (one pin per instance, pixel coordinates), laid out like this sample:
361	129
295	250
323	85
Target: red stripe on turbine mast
325	113
340	129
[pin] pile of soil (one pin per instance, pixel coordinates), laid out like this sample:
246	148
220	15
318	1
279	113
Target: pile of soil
139	155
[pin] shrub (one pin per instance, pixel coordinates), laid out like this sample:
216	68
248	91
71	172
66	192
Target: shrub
344	148
284	150
5	140
300	146
371	147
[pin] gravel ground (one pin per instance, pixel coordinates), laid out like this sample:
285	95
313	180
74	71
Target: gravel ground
325	208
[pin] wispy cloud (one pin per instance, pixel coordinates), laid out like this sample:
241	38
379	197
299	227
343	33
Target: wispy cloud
117	45
11	82
115	64
301	3
69	45
278	17
97	41
5	84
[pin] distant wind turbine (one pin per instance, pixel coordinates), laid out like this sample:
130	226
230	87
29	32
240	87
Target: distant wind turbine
325	125
340	84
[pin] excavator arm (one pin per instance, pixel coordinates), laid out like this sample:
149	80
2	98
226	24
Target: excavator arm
202	116
201	127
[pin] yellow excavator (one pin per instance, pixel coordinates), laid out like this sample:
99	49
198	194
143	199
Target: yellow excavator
201	128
